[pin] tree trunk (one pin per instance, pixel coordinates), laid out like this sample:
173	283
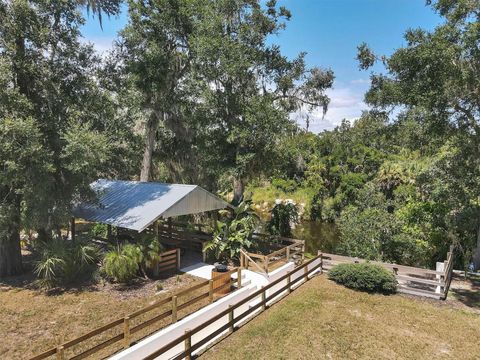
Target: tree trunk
150	135
476	253
10	252
238	189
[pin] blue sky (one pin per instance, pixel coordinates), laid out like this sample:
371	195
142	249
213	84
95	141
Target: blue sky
329	31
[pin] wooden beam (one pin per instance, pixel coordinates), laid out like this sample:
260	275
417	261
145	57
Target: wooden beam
72	228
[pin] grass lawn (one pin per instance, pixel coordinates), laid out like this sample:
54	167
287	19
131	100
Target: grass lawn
322	320
32	321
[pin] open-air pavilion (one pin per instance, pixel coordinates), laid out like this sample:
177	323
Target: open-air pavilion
150	206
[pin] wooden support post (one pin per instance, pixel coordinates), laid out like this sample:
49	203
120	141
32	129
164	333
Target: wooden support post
174	308
178	258
321	262
265	264
303	251
289	280
305	273
210	291
230	318
72	228
264	302
188	345
60	352
288	253
126	332
239	278
157	230
169	221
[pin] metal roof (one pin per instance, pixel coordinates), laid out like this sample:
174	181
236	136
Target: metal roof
136	205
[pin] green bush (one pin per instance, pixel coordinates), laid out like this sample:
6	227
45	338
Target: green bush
287	186
151	250
100	230
365	277
283	215
62	262
123	263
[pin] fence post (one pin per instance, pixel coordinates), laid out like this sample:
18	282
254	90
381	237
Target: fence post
303	251
440	266
239	278
288	253
188	345
264	303
126	332
305	273
289	280
174	309
210	291
265	263
230	318
60	352
321	262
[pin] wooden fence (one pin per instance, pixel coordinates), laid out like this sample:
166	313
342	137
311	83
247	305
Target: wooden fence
264	298
169	260
127	327
266	263
411	280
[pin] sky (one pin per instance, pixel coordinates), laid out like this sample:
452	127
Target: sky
329	31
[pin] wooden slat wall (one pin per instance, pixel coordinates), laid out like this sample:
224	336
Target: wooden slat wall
169	260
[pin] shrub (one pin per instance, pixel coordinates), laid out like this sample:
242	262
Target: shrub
287	186
283	215
365	277
123	263
234	233
100	230
151	250
62	262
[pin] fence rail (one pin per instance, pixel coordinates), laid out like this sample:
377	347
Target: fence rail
263	303
126	323
411	280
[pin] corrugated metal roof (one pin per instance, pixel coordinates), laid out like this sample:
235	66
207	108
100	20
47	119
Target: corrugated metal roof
136	205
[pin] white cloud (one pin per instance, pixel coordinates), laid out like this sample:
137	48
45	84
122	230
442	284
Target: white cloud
345	103
360	82
101	44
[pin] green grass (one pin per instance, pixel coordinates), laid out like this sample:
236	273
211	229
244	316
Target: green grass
322	320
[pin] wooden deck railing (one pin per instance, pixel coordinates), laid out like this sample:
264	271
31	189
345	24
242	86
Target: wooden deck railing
233	319
265	263
127	326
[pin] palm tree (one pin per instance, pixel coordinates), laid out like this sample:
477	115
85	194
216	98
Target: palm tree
99	7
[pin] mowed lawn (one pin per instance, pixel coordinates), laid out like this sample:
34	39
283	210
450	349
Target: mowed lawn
322	320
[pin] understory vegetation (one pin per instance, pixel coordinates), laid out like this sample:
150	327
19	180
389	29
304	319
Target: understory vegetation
63	263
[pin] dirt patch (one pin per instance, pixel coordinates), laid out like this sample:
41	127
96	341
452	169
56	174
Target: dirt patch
34	320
